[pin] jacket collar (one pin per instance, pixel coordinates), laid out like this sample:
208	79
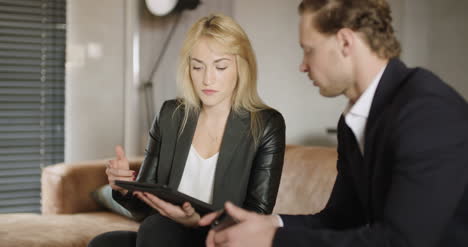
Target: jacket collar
392	79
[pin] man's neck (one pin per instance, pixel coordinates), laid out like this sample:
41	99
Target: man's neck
367	68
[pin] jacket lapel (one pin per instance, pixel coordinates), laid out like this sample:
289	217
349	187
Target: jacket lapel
392	78
182	148
362	172
236	130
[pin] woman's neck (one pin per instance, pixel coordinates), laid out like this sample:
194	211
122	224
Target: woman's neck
216	113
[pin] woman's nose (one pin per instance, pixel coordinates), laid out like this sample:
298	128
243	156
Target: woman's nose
210	77
303	67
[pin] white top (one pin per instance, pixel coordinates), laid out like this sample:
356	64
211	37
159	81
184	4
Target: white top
356	115
198	177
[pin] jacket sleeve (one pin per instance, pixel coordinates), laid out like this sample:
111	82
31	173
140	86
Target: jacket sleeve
429	177
147	173
267	166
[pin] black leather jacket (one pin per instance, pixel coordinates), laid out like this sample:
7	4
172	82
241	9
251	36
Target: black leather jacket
247	172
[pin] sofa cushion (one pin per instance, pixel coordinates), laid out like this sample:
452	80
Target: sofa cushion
34	230
308	177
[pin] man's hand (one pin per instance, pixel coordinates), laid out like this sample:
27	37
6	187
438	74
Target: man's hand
252	230
185	215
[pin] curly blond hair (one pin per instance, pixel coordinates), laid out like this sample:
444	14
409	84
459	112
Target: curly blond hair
372	18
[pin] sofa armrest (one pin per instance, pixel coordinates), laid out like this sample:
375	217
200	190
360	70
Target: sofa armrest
66	188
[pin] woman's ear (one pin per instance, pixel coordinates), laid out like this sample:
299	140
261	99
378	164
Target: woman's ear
345	37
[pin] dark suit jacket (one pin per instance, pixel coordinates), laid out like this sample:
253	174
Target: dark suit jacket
247	173
411	186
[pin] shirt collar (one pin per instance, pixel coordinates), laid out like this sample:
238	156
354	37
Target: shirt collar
362	106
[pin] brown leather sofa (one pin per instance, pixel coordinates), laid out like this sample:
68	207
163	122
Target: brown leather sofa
71	218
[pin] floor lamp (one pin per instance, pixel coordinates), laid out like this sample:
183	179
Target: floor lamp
163	8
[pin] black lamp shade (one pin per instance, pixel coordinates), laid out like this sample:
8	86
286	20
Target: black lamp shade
187	4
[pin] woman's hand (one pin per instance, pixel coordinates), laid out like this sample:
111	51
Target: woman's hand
119	169
184	215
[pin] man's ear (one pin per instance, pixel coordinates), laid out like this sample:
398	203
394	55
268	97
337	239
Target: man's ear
346	39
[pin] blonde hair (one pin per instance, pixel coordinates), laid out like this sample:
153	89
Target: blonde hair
225	31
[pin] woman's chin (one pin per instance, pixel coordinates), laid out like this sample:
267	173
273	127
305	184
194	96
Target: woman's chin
211	102
207	100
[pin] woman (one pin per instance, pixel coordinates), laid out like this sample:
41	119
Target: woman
217	142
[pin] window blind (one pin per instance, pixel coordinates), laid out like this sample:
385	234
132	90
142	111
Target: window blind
32	98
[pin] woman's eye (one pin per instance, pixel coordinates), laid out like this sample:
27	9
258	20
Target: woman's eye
196	68
221	68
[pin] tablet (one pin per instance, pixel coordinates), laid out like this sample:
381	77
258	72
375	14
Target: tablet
167	194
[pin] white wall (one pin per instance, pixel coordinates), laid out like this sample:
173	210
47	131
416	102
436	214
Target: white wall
433	35
447	46
94	78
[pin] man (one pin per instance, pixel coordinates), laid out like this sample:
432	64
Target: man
402	143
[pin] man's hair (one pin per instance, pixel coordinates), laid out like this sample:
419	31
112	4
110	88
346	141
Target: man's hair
372	18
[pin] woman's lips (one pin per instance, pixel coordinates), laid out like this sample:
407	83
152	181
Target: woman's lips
209	91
